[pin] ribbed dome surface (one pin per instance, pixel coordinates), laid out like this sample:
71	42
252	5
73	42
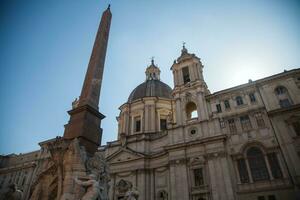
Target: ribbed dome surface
151	88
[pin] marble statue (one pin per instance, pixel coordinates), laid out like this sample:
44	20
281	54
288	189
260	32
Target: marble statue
93	189
132	194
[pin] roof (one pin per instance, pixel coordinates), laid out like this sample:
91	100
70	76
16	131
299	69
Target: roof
151	88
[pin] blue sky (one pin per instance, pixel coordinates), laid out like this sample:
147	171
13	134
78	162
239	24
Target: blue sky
46	46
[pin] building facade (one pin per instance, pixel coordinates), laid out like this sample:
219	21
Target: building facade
173	144
186	143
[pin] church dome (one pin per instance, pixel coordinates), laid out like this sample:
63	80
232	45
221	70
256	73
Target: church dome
151	88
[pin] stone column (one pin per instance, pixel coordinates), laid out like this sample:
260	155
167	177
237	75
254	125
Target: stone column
227	178
146	118
213	181
282	166
201	107
249	170
237	172
152	119
182	188
126	123
178	111
141	181
173	192
268	167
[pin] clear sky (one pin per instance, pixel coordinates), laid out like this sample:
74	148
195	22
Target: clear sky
45	47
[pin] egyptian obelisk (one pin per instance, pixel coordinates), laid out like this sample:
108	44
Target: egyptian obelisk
85	118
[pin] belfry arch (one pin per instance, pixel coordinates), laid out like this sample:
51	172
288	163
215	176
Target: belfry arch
191	110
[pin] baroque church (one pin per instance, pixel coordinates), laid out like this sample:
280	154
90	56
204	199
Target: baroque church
180	143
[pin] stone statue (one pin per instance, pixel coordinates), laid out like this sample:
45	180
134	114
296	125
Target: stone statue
13	193
93	191
75	103
132	194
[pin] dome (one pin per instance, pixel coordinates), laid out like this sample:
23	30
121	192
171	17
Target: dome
151	88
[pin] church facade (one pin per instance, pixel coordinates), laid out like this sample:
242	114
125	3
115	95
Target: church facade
180	143
186	143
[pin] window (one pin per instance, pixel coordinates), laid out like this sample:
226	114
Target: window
232	126
245	122
296	126
198	177
252	97
274	164
257	164
244	177
283	97
186	75
219	109
137	124
259	120
222	123
284	103
162	195
280	90
271	197
193	131
163	124
239	101
191	110
226	103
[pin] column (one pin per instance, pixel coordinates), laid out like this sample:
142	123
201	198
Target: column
268	167
146	118
249	171
173	193
178	112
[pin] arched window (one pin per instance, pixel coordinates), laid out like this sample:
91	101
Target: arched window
257	164
239	100
280	90
283	96
191	110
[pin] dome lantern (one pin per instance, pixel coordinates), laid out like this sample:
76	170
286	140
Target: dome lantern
152	71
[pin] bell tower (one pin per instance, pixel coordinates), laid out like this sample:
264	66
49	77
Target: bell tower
85	118
189	88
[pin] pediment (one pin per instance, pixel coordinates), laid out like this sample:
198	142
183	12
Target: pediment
124	154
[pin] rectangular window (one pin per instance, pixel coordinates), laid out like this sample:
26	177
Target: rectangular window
261	198
296	126
232	126
163	124
227	104
219	109
137	124
186	75
241	164
252	97
239	101
198	177
245	122
259	120
222	123
271	197
274	164
284	103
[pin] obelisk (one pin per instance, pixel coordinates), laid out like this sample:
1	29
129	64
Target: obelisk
85	118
